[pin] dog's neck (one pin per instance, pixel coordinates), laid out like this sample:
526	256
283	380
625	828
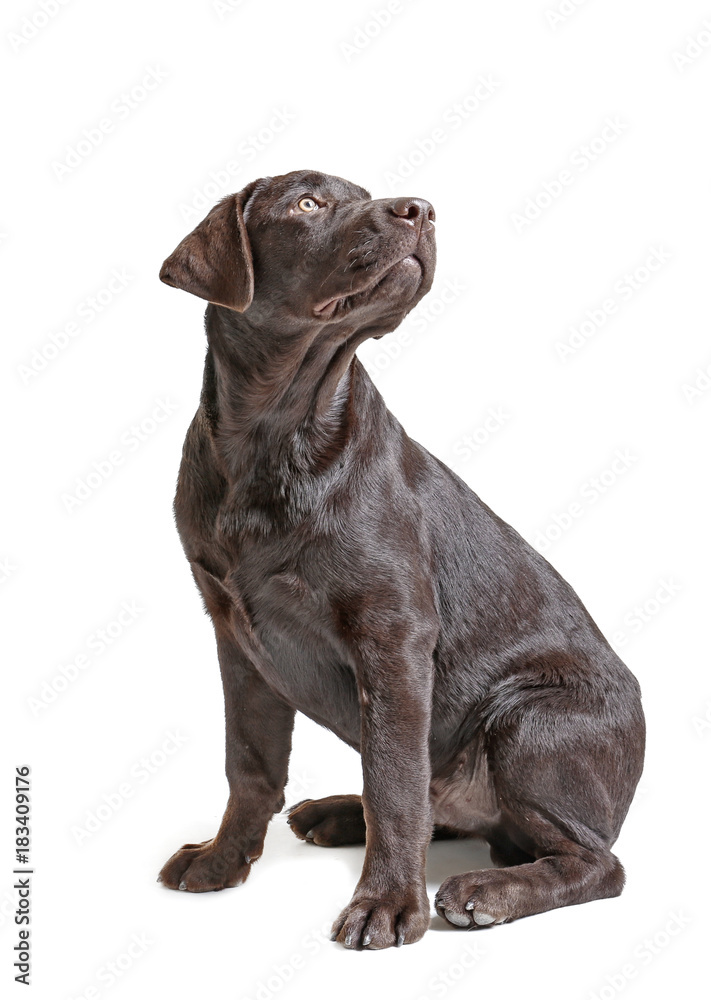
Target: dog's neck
278	404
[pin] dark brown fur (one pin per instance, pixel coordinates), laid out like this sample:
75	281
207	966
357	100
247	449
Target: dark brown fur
351	576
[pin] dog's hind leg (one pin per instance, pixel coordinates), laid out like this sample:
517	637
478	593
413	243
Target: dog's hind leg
564	779
329	822
504	852
565	873
338	820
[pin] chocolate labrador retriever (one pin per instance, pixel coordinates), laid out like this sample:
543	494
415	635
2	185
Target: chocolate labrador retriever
351	576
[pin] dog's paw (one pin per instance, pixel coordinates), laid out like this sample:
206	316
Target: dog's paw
329	822
206	867
478	899
388	921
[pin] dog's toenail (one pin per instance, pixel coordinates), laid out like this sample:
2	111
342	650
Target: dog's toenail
309	835
483	918
458	919
469	905
183	885
348	941
334	935
367	939
159	879
400	939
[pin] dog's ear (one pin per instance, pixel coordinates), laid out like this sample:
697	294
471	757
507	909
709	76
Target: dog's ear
214	261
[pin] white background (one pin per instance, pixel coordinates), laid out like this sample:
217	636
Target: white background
636	385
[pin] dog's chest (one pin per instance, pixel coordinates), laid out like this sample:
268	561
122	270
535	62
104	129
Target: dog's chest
302	659
272	582
287	611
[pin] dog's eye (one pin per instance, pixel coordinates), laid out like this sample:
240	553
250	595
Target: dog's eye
308	205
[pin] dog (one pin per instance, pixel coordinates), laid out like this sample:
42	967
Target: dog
351	576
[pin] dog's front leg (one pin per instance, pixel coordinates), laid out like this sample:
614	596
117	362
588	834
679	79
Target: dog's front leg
390	905
258	741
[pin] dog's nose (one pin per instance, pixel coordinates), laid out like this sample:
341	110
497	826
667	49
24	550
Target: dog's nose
413	210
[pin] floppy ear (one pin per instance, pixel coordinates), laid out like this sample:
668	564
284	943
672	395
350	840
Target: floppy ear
214	261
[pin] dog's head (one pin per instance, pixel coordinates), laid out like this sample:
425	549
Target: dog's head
306	248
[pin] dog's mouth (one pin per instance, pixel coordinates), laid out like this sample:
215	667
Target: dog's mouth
340	303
